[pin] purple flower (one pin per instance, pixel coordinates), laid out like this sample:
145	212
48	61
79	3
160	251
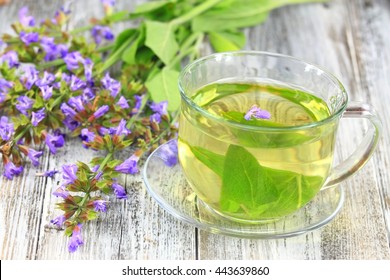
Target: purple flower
88	94
52	50
54	141
50	173
75	240
24	103
6	128
101	111
47	92
119	191
76	102
121	129
30	76
48	79
95	168
61	192
29	38
88	66
168	153
76	83
100	205
69	173
65	77
10	170
37	117
11	58
156	117
122	102
68	111
129	166
99	32
160	108
86	135
24	19
257	113
98	175
5	85
138	101
73	59
34	156
112	85
59	221
70	123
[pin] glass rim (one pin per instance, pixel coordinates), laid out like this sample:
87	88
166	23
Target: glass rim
207	114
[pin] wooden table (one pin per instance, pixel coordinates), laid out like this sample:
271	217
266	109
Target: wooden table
349	37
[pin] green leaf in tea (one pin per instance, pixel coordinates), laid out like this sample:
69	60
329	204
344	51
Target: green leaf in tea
212	160
260	192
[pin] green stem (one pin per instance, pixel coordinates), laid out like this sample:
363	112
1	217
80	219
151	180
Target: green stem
105	161
114	57
194	12
52	63
21	134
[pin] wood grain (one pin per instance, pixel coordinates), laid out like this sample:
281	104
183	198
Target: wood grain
348	37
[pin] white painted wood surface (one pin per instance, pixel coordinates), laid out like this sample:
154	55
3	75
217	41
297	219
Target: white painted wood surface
351	38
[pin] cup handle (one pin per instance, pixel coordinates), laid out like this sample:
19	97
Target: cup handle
365	149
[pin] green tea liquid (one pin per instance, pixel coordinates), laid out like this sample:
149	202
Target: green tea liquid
255	169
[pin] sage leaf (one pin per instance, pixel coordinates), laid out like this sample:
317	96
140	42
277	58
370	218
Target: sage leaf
163	87
227	41
212	160
160	38
129	55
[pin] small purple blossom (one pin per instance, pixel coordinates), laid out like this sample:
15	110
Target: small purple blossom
138	101
10	170
100	205
76	239
47	92
73	59
88	67
6	128
129	166
76	102
169	153
76	83
86	135
88	94
59	221
24	103
95	168
5	85
119	191
25	19
257	113
69	173
156	117
30	76
52	50
101	111
160	108
121	129
54	141
50	173
112	85
29	38
122	102
47	79
11	58
70	123
68	111
61	192
37	117
99	32
34	156
98	175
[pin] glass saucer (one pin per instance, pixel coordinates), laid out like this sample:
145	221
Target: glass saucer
169	187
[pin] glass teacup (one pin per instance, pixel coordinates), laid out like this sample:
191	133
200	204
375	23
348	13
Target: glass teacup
257	133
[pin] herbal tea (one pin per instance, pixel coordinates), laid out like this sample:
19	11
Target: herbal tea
243	166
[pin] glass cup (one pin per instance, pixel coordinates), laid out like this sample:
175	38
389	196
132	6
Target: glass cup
257	170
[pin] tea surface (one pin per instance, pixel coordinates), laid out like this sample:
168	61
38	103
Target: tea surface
250	173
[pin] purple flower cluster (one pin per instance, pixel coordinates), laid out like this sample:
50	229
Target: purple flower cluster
257	113
159	110
24	104
169	153
11	170
54	141
10	58
6	128
102	32
76	239
111	85
52	50
29	38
